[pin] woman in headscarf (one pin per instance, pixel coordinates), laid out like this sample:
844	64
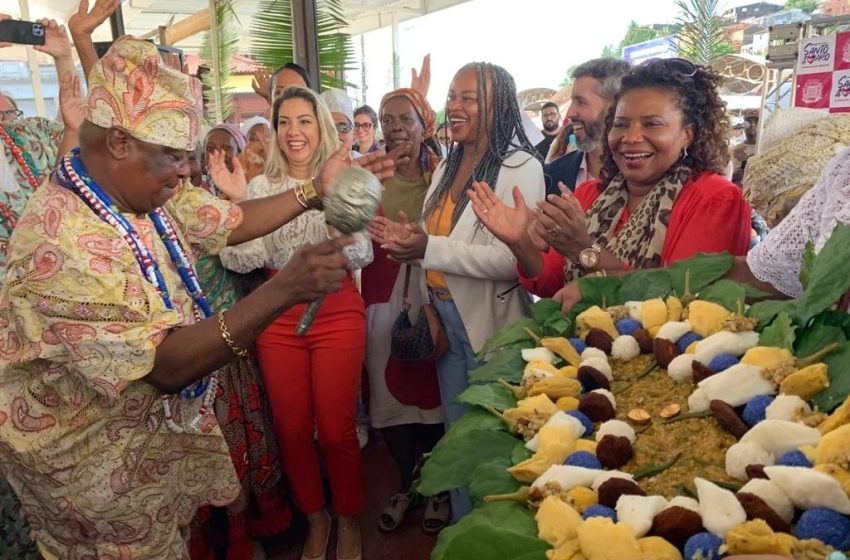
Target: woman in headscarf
405	397
661	198
241	407
258	132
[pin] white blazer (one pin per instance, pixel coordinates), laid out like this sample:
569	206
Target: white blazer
477	266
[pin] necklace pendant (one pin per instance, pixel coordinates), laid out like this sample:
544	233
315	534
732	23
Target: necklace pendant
208	423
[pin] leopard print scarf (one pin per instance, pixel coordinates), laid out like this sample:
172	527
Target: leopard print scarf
641	240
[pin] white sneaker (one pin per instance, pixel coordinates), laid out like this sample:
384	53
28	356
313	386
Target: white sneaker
363	436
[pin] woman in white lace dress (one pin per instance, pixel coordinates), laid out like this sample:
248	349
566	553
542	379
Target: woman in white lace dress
311	381
775	263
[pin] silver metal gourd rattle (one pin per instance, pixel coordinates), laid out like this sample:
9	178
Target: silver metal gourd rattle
355	195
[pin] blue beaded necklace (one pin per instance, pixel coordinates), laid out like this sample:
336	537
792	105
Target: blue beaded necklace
72	175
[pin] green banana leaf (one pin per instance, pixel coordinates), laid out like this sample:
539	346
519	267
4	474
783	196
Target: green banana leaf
494	532
454	459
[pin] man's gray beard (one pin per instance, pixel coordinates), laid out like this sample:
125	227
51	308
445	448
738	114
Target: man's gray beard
587	145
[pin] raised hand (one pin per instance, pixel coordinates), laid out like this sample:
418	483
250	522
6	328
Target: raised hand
231	183
56	42
507	224
379	164
84	22
71	101
260	83
421	82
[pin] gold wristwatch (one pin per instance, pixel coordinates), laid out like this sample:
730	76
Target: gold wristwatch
589	258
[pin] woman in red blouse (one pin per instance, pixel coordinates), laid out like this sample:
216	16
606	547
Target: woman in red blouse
661	198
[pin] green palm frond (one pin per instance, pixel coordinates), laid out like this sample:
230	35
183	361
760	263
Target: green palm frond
272	38
228	46
701	36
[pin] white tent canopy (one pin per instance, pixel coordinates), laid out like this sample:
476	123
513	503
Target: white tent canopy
142	17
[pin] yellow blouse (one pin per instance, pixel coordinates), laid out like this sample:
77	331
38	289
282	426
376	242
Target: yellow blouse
440	223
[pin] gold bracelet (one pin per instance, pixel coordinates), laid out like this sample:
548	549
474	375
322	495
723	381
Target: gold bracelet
225	335
311	196
300	196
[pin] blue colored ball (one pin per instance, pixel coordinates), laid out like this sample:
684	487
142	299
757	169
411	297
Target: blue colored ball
703	546
584	459
722	362
794	459
599	511
825	525
578	344
686	340
756	410
628	326
586	422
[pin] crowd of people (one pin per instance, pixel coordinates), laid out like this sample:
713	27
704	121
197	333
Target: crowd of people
156	400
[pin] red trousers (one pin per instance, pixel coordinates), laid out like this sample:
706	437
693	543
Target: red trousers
312	381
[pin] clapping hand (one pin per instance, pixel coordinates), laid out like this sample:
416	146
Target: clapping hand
403	241
508	224
560	223
231	183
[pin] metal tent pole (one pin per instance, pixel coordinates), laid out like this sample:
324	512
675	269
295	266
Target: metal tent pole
32	60
216	63
305	37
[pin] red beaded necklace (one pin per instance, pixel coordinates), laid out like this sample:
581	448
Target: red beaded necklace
9	218
18	154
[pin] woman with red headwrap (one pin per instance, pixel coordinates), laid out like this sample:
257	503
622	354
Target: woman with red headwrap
405	397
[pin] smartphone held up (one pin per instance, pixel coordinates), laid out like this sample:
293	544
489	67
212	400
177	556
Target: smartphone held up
21	32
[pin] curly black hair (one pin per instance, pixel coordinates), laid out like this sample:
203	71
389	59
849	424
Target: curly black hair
698	96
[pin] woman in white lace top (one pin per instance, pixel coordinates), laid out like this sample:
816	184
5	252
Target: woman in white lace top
776	261
311	380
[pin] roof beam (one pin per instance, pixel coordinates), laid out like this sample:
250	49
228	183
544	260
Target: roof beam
183	29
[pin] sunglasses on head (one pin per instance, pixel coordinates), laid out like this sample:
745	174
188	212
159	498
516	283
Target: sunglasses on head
680	66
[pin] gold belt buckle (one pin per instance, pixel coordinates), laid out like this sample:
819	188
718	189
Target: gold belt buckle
442	295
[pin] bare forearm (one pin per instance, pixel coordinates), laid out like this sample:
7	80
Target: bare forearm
740	272
528	258
264	215
85	49
70	140
190	353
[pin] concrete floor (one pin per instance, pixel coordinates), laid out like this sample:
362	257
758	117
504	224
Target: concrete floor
408	542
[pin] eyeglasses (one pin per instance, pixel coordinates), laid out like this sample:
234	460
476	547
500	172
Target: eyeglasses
680	66
363	125
343	128
12	114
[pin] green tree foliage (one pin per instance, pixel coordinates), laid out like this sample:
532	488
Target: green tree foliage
228	45
635	34
272	38
701	36
807	6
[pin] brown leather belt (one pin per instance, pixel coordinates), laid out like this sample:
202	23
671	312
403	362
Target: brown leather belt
441	294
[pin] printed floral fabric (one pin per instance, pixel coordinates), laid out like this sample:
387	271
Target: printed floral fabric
40	139
82	437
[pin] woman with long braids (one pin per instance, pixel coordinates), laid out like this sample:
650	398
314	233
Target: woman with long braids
662	196
470	274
